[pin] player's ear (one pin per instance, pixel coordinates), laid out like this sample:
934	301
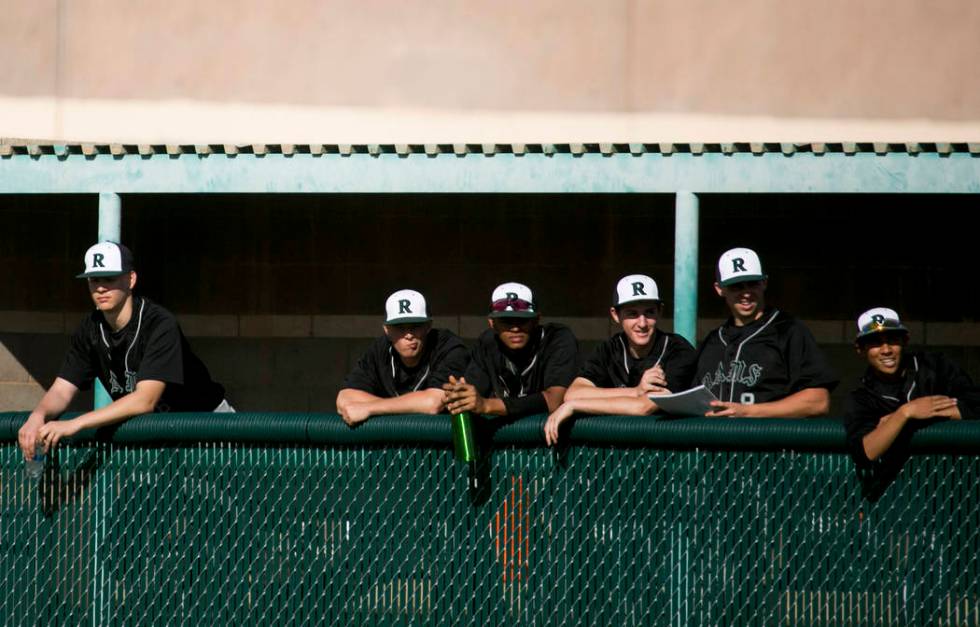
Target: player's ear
614	314
132	279
490	322
718	289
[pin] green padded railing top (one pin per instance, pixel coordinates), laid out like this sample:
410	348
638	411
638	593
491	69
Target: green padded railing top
295	519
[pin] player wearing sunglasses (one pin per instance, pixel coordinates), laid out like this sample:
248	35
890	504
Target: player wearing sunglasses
518	366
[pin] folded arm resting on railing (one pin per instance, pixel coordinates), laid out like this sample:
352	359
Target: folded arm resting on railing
816	434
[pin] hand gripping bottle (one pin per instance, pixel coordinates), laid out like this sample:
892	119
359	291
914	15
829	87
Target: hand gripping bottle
35	465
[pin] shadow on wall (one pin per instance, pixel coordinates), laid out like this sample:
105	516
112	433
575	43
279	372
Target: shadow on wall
29	362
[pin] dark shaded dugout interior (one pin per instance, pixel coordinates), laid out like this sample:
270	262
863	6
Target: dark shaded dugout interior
233	267
829	256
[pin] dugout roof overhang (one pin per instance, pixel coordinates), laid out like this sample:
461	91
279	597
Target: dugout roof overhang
37	167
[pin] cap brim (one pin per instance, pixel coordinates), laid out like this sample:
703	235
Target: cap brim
639	300
743	279
512	314
398	321
898	329
92	275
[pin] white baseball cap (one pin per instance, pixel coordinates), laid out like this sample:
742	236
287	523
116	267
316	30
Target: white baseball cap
879	320
739	265
512	300
406	306
634	288
106	259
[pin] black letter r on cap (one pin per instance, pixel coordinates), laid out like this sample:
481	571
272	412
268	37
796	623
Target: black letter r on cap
403	306
97	260
738	265
638	289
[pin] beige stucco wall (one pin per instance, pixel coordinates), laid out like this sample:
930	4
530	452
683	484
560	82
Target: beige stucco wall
452	71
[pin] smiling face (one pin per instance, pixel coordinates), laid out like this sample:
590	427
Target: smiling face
109	293
883	352
746	301
639	322
408	340
515	333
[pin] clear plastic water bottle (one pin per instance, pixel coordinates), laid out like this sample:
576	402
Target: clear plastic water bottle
35	465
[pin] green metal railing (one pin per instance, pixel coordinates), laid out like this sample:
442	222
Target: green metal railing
296	519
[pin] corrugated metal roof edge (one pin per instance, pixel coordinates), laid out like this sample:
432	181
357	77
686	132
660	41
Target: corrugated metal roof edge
10	147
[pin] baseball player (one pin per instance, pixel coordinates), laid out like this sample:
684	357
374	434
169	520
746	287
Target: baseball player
637	361
761	362
901	390
518	366
403	371
133	346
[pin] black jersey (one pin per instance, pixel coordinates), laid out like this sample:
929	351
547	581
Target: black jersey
764	361
381	372
923	374
150	347
612	366
548	360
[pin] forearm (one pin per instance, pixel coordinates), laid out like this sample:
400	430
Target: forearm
350	395
53	404
494	407
576	392
420	402
133	404
802	404
884	435
554	396
613	406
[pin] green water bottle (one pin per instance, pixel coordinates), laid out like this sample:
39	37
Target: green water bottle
464	442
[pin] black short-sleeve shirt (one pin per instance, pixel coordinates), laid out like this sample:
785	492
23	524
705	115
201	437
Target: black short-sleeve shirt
151	347
611	365
549	360
923	374
380	371
764	361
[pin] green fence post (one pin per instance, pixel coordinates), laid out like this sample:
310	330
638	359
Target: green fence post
686	266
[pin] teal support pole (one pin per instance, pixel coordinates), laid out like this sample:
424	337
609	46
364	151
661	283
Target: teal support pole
686	265
110	217
110	227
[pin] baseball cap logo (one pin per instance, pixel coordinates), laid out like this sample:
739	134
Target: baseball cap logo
97	260
638	289
878	319
738	265
405	307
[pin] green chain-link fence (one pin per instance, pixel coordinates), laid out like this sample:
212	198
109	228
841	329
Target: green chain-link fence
295	520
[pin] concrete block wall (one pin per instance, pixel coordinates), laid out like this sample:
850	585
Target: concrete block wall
298	363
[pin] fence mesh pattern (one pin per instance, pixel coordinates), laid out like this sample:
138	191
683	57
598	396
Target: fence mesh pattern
293	535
